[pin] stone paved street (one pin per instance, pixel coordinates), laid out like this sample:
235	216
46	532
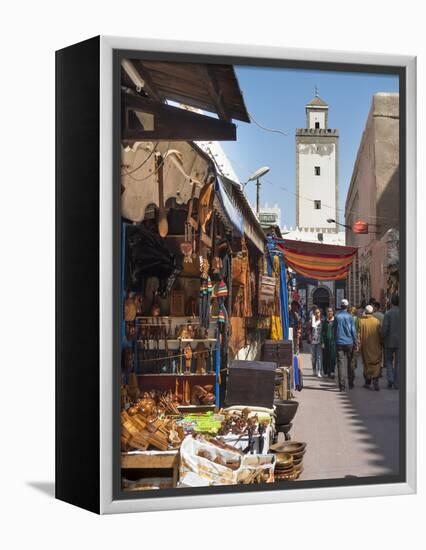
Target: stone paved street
351	433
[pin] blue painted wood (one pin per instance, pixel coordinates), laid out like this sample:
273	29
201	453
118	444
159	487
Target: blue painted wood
217	361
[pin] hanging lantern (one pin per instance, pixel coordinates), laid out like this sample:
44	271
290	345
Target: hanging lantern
360	227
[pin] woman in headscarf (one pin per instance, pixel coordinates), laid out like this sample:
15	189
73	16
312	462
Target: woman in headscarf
371	347
328	344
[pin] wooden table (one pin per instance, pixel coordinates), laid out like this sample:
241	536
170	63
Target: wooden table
156	460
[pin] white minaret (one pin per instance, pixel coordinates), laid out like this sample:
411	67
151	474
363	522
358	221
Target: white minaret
316	169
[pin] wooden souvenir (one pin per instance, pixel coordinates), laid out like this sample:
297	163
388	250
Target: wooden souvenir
188	358
191	306
201	356
177	303
130	308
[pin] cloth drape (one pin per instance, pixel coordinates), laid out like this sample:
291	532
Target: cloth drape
318	261
276	325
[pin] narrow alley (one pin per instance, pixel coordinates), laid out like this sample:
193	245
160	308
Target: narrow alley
351	433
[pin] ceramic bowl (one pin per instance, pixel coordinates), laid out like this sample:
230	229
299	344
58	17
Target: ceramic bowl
284	459
292	447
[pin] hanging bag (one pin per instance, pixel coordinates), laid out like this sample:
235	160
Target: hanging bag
240	266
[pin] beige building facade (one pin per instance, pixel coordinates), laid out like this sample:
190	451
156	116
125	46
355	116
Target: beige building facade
373	196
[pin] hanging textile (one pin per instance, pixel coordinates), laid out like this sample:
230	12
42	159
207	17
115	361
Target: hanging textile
322	262
283	294
276	325
284	299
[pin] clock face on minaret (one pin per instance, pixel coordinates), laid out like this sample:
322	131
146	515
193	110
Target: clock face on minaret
316	169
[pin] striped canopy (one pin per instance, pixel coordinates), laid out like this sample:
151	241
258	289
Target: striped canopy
322	262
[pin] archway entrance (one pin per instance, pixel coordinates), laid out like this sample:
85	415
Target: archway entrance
321	298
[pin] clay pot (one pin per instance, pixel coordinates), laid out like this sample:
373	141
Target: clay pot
285	411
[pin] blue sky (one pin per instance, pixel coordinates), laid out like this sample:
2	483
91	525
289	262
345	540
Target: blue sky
276	98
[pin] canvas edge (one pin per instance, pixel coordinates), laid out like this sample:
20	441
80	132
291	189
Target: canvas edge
107	503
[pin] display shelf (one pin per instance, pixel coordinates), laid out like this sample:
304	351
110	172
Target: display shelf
198	339
177	374
189	317
196	408
161	340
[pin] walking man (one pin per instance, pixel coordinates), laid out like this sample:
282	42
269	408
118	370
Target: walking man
328	344
377	313
314	334
371	347
390	335
346	342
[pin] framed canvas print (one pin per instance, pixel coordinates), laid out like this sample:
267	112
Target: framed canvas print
235	263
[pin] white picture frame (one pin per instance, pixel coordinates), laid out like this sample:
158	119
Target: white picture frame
108	503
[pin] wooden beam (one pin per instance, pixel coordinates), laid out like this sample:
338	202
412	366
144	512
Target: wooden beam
173	123
210	80
149	86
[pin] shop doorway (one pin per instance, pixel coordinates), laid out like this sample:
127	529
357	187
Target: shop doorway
321	298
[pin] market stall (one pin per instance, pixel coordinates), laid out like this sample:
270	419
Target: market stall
197	292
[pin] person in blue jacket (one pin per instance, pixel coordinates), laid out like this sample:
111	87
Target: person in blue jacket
346	344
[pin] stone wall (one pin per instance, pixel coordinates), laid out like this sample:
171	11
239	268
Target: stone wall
373	196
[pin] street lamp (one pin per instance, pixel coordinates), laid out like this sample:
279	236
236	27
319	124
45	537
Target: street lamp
360	226
256	177
330	220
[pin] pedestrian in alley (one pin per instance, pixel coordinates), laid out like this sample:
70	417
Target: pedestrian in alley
377	312
295	321
328	344
346	342
371	347
355	355
314	338
390	335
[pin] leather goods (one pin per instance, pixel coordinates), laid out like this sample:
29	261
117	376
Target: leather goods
240	266
138	176
190	220
205	204
266	294
237	338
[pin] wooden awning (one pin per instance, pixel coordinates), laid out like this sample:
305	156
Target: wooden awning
210	87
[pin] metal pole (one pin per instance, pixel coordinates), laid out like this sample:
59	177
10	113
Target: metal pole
257	195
